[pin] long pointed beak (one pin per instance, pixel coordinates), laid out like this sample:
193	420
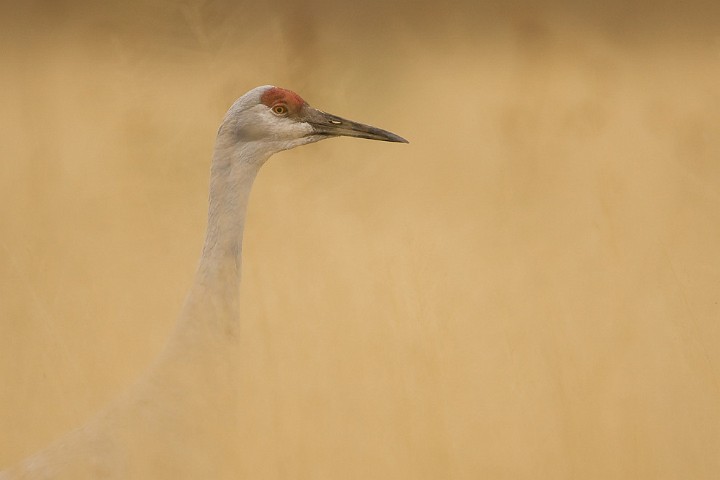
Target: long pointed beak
334	126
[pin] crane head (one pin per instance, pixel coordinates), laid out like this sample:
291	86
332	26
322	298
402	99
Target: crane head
279	119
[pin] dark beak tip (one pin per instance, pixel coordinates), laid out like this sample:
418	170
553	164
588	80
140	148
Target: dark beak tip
391	137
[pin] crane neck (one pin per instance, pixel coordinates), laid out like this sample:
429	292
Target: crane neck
212	305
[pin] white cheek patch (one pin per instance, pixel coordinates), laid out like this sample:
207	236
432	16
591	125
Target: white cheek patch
284	128
272	133
303	129
299	133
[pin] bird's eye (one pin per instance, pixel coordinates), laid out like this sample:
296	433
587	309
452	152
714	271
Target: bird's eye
280	110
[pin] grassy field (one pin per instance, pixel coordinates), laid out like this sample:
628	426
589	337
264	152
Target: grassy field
530	289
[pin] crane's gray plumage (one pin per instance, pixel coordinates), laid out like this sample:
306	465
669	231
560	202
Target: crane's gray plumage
178	420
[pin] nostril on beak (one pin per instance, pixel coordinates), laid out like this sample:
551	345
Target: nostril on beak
333	126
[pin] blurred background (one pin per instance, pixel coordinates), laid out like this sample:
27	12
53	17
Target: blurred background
528	290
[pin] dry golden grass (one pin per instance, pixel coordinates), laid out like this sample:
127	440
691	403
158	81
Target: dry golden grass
528	290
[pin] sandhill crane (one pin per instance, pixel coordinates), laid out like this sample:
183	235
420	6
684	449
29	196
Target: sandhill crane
178	421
